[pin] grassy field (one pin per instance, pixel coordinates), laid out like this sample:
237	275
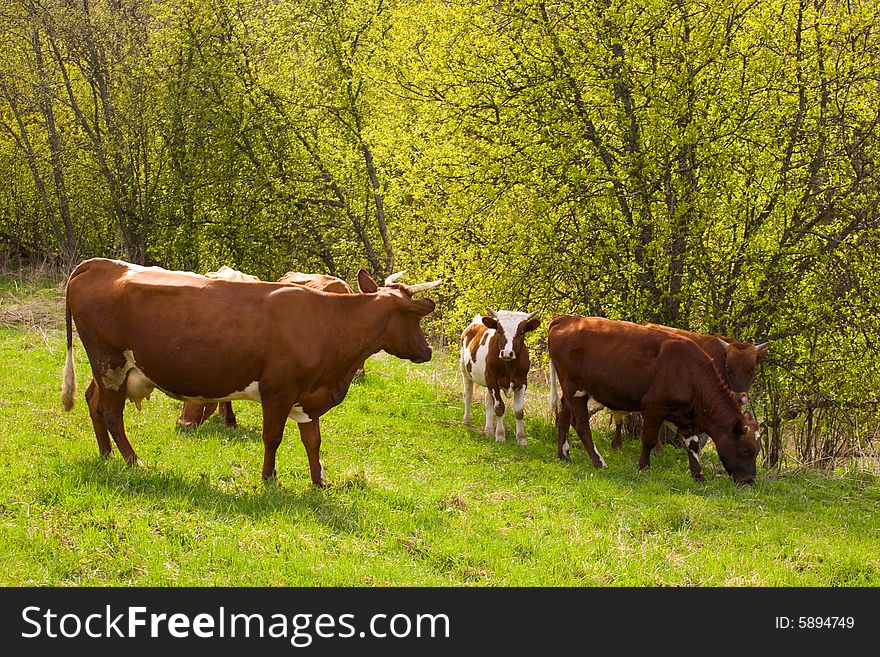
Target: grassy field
417	499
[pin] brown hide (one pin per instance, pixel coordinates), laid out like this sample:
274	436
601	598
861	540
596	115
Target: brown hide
293	349
192	414
636	368
735	361
317	281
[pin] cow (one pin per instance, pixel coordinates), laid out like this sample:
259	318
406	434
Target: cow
736	362
193	415
494	355
636	368
293	349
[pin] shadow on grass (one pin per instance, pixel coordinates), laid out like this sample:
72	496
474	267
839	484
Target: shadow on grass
214	426
668	474
341	507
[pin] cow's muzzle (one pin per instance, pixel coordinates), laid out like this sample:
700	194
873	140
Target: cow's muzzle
507	354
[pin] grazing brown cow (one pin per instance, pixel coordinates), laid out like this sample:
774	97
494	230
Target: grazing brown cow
293	349
494	355
736	362
631	367
193	415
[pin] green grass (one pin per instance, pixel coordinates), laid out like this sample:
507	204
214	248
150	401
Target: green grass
417	499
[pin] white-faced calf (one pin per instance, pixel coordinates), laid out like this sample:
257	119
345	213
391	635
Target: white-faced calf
494	355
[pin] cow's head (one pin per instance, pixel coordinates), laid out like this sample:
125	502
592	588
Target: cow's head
738	449
512	328
403	335
742	361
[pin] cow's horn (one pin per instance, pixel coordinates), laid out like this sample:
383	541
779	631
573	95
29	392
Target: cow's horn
421	287
492	312
763	345
530	315
393	277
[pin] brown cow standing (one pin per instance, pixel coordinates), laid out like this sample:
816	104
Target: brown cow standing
494	355
736	362
193	415
293	349
631	367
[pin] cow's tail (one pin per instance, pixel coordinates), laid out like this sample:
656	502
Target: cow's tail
555	405
68	379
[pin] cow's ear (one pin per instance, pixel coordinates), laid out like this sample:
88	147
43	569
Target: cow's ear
763	350
532	324
739	429
421	307
490	322
366	283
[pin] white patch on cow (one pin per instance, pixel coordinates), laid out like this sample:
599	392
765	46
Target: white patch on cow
509	321
565	447
136	269
297	414
510	390
580	393
251	392
758	434
692	439
601	460
114	377
478	365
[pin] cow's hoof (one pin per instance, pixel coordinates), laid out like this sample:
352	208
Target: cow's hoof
500	439
699	477
564	457
232	425
522	442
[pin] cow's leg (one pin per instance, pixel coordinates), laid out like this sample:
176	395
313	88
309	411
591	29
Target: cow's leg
112	407
650	427
519	405
228	414
499	416
581	416
490	408
274	416
193	414
563	422
467	385
617	418
310	433
692	445
93	399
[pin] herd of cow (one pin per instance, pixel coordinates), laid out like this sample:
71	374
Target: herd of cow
296	344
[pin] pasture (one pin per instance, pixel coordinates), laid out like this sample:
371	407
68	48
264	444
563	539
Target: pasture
416	498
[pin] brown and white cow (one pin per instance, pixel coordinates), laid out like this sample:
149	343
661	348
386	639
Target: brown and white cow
635	368
736	361
494	355
292	349
192	414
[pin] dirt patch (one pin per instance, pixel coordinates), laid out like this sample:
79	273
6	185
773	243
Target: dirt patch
45	312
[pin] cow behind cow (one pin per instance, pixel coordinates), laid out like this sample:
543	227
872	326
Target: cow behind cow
192	414
735	361
631	367
293	349
495	356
